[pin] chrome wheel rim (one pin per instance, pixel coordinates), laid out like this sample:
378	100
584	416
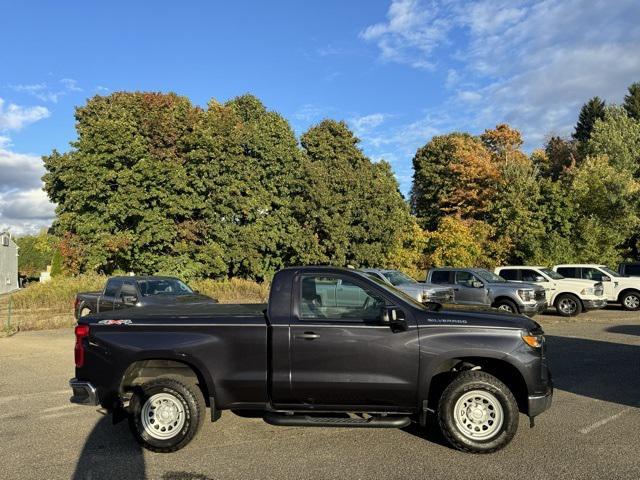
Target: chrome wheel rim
632	301
478	415
505	308
568	306
162	416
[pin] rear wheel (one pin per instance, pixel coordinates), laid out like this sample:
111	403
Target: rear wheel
568	305
631	301
478	413
506	305
166	414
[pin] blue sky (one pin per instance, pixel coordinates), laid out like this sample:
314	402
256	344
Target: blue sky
398	71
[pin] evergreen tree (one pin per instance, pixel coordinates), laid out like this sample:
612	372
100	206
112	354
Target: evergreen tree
589	113
632	101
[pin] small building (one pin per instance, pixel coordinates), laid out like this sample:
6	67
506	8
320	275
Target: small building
8	263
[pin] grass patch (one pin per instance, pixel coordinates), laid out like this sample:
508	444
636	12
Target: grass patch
50	305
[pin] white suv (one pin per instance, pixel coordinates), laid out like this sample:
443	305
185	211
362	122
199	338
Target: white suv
570	296
618	289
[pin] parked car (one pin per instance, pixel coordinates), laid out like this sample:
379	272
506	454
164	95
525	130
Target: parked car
125	292
314	357
477	286
422	292
569	296
618	289
629	269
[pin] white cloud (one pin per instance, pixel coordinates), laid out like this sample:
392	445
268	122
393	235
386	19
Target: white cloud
529	63
366	123
14	117
25	212
49	93
411	33
19	170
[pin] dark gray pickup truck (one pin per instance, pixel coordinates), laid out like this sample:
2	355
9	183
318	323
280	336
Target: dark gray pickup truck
333	348
125	292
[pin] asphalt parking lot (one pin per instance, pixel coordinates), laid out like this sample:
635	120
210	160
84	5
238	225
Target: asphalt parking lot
592	430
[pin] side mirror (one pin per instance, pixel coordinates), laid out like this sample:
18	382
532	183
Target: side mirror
129	299
539	278
394	317
477	284
605	279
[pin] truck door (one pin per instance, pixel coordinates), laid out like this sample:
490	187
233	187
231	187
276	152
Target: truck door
111	291
467	292
342	354
611	289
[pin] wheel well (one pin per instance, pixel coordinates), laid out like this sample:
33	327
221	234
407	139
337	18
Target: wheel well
503	297
144	370
626	290
503	371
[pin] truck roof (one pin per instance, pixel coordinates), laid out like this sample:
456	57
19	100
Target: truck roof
471	269
521	266
587	265
142	277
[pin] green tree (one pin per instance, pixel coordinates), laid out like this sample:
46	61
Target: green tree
617	135
605	200
35	253
632	101
351	210
589	113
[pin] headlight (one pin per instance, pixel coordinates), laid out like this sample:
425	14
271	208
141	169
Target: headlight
534	341
588	291
526	295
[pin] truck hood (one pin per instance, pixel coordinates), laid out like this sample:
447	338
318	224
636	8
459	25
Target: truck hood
633	282
516	285
577	283
479	316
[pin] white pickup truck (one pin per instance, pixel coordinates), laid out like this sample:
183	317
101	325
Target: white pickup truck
569	296
618	289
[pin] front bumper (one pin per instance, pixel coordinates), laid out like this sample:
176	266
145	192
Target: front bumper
594	304
540	403
84	393
534	308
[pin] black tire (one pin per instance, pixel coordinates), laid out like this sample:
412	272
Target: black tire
506	305
464	385
568	305
186	395
630	301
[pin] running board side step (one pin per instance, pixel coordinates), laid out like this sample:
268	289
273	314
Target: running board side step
349	422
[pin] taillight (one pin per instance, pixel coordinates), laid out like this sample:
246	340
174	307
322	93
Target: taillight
82	331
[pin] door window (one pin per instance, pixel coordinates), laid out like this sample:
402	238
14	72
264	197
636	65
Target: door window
569	272
530	275
113	286
509	274
465	279
331	297
592	274
129	289
632	270
440	276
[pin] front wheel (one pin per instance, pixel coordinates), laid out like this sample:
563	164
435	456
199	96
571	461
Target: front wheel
165	414
631	301
506	305
568	305
478	413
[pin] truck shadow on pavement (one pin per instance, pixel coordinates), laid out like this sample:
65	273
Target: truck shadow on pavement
601	370
110	451
625	329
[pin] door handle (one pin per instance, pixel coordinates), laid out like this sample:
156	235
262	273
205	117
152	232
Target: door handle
309	336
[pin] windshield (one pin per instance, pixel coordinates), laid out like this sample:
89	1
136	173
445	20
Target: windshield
608	271
398	278
163	286
488	276
393	290
551	274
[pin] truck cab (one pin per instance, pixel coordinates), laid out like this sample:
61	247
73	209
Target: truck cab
617	288
569	296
